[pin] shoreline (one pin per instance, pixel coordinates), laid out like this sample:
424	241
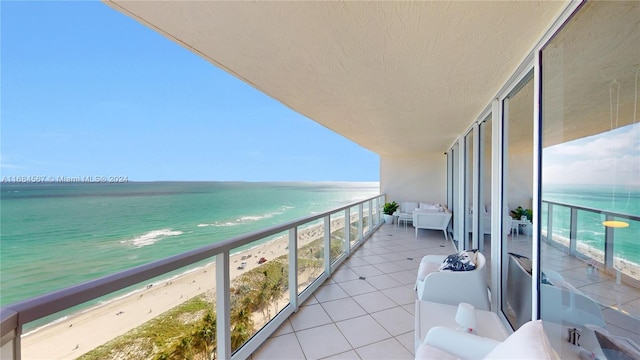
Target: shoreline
67	337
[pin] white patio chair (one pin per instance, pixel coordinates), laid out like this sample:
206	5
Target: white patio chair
453	287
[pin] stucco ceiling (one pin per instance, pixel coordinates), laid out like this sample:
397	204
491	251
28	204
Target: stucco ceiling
395	77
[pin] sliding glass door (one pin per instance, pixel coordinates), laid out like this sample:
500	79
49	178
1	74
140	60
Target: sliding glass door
517	194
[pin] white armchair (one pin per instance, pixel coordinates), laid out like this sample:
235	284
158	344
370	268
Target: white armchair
453	287
433	220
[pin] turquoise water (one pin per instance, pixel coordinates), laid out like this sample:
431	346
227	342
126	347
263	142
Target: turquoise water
622	200
56	235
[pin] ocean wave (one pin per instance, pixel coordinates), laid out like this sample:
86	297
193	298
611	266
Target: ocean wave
151	237
244	219
249	218
220	224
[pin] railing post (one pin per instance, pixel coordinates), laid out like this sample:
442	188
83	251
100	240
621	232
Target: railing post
550	222
347	231
374	211
10	341
573	231
360	224
369	216
327	244
293	267
223	304
608	244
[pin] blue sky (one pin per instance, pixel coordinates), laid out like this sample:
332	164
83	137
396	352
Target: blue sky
87	91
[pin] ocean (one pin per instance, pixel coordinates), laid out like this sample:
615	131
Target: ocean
54	235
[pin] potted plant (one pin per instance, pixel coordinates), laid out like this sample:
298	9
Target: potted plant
520	214
388	210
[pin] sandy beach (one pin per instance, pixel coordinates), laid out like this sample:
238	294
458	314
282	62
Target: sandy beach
82	332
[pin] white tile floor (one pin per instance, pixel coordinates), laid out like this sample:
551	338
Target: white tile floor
365	310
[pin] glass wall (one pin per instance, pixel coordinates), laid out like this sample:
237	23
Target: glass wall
484	192
455	194
590	182
468	190
517	168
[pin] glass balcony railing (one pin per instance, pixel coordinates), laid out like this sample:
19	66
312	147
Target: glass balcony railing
224	299
603	238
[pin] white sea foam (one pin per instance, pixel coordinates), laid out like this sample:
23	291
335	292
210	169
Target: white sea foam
220	224
151	237
245	219
254	218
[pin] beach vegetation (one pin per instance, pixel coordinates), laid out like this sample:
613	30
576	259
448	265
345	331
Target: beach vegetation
167	336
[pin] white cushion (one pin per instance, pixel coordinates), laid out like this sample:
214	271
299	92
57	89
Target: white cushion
420	210
528	342
408	207
428	206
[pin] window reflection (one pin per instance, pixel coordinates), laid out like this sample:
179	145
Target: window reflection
590	271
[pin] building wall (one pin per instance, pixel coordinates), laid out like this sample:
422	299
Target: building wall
414	178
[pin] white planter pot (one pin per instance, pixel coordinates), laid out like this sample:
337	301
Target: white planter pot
388	219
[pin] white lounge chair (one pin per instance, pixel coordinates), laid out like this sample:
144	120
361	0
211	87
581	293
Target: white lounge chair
453	287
